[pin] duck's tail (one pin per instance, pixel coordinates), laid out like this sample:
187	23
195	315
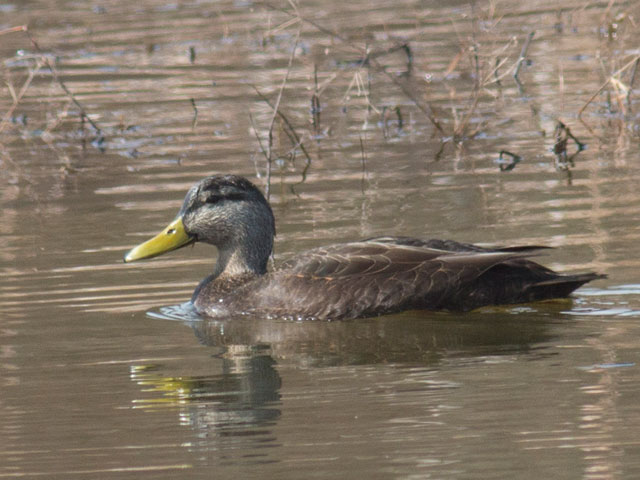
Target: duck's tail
561	286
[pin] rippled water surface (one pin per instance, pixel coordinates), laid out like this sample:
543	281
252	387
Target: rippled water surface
394	115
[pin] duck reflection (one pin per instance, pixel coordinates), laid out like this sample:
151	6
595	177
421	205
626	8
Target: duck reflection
236	395
410	338
235	398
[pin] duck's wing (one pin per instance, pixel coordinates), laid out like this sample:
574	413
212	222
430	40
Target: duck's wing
367	258
390	256
451	245
374	277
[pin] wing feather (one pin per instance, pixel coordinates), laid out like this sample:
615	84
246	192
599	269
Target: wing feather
373	277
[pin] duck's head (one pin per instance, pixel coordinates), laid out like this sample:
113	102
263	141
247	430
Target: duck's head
227	211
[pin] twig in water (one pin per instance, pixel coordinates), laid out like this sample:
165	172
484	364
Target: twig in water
315	113
83	142
563	161
363	158
255	130
507	166
275	114
381	53
54	72
461	127
290	131
400	121
633	78
523	56
298	17
562	135
453	64
423	107
495	72
194	122
48	139
386	113
499	63
18	96
476	64
613	79
409	53
19	28
385	122
360	90
315	103
438	155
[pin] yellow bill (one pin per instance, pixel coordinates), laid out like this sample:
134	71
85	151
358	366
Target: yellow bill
171	238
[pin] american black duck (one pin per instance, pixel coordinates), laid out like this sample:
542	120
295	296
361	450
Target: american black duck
347	280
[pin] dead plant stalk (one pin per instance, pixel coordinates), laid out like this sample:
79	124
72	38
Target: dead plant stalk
17	97
613	80
275	114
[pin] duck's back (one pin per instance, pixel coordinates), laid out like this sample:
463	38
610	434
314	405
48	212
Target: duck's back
390	274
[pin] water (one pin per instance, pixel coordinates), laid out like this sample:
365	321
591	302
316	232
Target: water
105	375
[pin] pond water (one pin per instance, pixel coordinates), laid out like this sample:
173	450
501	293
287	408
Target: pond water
393	119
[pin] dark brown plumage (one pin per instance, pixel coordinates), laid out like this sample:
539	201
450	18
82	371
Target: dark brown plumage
350	280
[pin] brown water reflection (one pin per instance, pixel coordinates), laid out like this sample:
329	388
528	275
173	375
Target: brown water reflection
94	386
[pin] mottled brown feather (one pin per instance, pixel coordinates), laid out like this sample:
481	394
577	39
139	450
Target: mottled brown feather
371	278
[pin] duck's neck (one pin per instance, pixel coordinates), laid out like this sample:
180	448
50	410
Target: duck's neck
247	250
240	262
234	268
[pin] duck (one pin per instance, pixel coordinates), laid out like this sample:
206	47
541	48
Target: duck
371	277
